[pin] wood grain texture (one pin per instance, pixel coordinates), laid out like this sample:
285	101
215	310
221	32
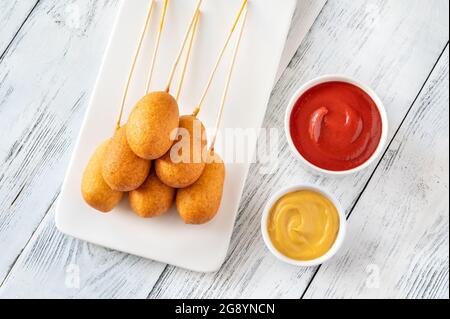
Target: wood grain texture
398	231
304	17
380	42
71	268
44	81
13	14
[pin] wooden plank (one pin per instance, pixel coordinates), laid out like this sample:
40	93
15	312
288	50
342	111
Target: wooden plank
38	256
22	280
13	14
45	80
391	46
304	17
401	252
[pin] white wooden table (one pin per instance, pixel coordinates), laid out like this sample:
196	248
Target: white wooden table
398	210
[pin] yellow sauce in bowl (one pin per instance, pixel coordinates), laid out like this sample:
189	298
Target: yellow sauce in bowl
303	225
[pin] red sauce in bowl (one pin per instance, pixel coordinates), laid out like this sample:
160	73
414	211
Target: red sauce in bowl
336	126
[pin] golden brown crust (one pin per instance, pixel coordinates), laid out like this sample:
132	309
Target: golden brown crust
200	202
151	123
152	199
122	169
184	174
94	189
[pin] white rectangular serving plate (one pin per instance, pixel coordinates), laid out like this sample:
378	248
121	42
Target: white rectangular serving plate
167	239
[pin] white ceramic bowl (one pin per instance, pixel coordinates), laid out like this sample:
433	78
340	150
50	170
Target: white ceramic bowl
339	78
333	250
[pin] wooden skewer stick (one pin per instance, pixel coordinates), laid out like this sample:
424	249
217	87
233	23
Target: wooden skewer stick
216	66
183	45
188	55
133	65
227	85
156	49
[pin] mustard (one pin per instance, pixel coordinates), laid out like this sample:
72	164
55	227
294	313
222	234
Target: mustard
303	225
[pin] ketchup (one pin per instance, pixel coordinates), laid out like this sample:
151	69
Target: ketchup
336	126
